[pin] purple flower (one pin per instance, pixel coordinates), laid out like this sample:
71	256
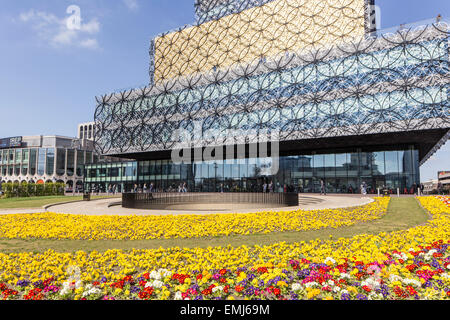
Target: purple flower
22	283
361	297
345	296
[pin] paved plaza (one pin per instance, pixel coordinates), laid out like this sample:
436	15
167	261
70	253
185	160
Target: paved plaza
113	207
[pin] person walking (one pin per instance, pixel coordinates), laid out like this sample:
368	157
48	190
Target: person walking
145	188
271	187
264	187
438	18
323	190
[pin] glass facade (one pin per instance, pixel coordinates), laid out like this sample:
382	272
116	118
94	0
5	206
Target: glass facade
343	172
33	164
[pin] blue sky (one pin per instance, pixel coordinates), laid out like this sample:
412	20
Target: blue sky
49	77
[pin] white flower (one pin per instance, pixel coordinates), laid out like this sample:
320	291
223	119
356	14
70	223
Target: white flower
215	289
411	282
429	254
155	275
296	286
336	289
178	296
345	276
329	259
311	284
165	273
394	277
91	290
372	283
157	284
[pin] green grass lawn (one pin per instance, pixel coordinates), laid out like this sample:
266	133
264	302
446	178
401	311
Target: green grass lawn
403	213
38	202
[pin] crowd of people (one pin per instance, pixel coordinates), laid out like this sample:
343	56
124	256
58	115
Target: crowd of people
265	187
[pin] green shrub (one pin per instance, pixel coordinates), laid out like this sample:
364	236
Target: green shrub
23	190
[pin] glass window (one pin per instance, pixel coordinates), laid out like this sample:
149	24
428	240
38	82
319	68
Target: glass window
330	165
49	168
378	164
391	162
18	156
88	157
26	154
80	162
24	169
60	161
365	164
341	165
33	156
70	162
319	165
41	162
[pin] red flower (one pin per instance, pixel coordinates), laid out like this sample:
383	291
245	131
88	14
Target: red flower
411	267
206	292
276	291
223	272
239	288
411	290
200	276
367	289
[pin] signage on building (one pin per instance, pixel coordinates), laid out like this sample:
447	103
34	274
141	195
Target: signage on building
443	173
13	142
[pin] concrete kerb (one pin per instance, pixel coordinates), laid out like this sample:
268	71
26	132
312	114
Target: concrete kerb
46	207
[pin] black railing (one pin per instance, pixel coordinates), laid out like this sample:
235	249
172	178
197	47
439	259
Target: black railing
157	200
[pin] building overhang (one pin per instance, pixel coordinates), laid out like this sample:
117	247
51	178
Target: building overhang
425	141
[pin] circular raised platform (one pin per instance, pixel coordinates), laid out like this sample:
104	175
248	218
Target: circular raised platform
208	201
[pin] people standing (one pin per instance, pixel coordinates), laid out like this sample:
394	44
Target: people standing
145	188
438	18
364	188
271	187
265	187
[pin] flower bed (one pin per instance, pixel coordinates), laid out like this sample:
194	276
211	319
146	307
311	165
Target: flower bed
79	227
422	274
410	264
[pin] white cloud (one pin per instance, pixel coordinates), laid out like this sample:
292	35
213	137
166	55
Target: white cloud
90	44
53	30
132	5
